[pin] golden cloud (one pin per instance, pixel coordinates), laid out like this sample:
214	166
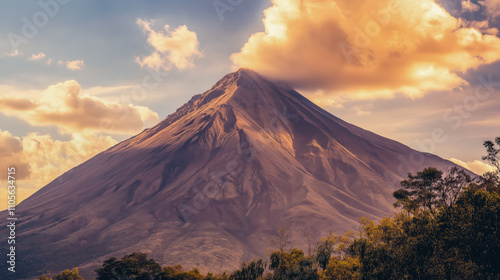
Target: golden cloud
65	106
171	48
11	152
39	159
366	49
475	166
50	158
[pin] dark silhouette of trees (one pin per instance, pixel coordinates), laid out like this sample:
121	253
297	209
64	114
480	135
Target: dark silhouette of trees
493	153
429	190
134	266
292	265
252	271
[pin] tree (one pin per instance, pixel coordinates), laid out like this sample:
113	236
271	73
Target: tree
281	241
429	190
471	231
491	180
133	266
449	188
65	275
292	265
331	246
251	271
348	268
419	190
493	153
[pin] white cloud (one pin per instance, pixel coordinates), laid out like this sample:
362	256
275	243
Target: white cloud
176	47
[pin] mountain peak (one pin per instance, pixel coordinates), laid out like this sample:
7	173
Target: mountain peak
243	77
222	173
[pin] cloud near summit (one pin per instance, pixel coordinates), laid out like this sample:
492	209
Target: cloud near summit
366	49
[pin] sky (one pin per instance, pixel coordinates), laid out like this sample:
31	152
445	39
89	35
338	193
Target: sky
77	77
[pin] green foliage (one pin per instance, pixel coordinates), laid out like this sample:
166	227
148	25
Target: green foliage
332	245
178	273
471	230
65	275
252	271
348	268
133	266
293	265
457	242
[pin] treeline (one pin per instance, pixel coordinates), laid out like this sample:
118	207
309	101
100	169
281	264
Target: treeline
448	227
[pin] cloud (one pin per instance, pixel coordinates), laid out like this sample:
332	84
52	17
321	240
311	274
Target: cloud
39	159
482	26
12	54
36	56
65	106
72	64
366	49
11	152
19	104
468	6
176	47
50	158
492	8
476	166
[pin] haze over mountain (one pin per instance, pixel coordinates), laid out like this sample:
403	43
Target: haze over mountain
210	185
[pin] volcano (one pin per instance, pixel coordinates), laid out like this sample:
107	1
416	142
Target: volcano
209	185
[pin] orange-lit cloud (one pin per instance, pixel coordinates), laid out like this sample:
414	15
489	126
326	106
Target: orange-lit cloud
64	106
366	49
176	47
39	159
468	6
476	166
482	26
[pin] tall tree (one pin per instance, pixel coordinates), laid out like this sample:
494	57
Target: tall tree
493	153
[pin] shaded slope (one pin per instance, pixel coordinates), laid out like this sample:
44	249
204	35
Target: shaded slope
209	185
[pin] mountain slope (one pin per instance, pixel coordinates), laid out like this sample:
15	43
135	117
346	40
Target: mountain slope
209	185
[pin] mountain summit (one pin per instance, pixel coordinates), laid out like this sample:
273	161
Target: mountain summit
210	184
